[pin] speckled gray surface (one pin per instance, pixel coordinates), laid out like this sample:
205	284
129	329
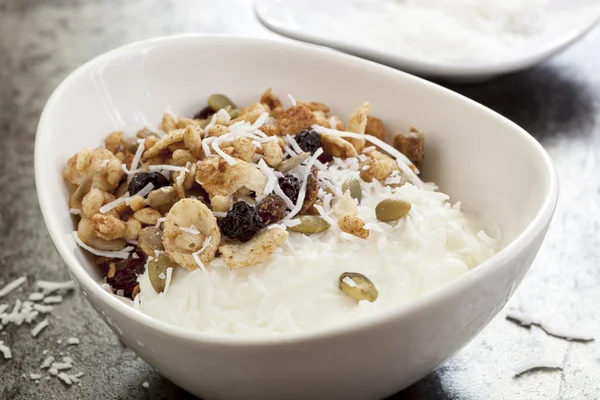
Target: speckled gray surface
558	102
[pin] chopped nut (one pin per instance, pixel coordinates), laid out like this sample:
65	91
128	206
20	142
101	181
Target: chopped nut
257	250
411	145
173	137
182	157
379	170
137	203
375	128
295	119
218	130
102	165
108	227
147	216
337	146
168	123
244	148
92	202
180	245
163	197
80	192
353	225
145	133
269	99
183	123
193	141
86	233
217	177
132	229
272	153
252	113
358	124
113	141
269	130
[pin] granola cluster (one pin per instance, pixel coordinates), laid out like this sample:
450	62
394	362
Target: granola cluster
230	183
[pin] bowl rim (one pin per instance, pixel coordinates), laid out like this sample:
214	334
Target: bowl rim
449	289
432	68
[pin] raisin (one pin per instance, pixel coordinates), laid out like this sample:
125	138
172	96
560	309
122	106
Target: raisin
308	140
204	113
241	222
139	181
290	185
271	209
127	271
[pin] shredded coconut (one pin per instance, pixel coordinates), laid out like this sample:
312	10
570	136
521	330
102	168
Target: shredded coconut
536	364
123	253
39	327
6	290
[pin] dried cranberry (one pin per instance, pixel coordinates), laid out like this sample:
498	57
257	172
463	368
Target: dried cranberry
290	185
308	140
271	209
127	271
139	181
241	222
204	113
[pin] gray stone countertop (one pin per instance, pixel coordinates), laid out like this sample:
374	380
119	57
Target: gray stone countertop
558	102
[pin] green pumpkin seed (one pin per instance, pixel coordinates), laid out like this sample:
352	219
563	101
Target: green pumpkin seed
358	286
353	186
219	101
391	209
159	266
235	113
310	224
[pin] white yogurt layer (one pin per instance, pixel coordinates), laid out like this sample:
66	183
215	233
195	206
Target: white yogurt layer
297	288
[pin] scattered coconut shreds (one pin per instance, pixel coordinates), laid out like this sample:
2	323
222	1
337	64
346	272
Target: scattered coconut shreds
42	308
36	296
145	385
7	289
191	229
123	253
292	100
39	327
142	193
34	377
72	341
74	211
165	167
65	378
535	365
526	320
302	193
168	282
5	350
47	362
135	161
53	299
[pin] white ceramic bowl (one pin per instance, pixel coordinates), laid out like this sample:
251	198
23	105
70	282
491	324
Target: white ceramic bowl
568	21
477	156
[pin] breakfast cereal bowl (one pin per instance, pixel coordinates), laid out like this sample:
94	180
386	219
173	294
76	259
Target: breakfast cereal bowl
500	175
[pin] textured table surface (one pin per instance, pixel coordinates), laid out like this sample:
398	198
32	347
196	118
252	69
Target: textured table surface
557	102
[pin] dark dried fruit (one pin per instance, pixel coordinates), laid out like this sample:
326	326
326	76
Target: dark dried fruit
204	113
271	209
308	140
139	181
290	185
126	272
241	222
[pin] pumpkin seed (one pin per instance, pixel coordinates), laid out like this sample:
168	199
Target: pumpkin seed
391	209
353	186
235	113
358	286
150	239
310	224
291	163
219	101
159	266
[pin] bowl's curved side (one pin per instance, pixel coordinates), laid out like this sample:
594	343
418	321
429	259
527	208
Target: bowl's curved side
366	364
368	358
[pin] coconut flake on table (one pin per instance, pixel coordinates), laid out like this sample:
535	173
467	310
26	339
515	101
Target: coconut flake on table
8	288
546	324
530	365
49	287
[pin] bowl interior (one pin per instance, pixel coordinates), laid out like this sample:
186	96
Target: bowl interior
493	167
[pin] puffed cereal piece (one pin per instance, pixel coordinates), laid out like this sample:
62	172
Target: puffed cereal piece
295	119
108	227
